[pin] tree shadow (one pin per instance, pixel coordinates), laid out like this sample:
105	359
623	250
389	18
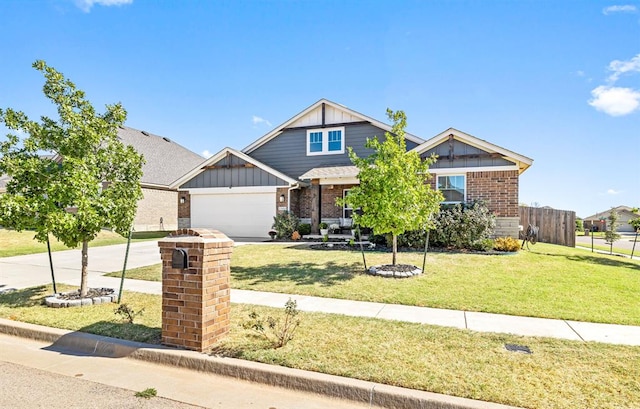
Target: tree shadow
603	261
27	297
300	273
107	339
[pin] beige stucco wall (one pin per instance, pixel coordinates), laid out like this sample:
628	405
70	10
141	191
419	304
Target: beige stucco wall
154	205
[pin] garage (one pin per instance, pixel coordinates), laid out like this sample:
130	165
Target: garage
236	212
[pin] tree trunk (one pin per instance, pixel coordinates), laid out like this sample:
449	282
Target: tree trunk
85	262
395	249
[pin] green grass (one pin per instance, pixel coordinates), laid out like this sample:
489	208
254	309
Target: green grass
14	243
547	281
559	374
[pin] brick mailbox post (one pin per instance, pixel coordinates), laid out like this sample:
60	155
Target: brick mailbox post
196	302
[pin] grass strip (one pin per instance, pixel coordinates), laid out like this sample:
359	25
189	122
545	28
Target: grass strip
558	374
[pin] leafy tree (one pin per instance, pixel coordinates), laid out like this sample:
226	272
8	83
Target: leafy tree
611	235
90	183
393	194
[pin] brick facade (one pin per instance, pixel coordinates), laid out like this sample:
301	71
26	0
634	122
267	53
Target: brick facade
157	210
498	189
196	301
328	207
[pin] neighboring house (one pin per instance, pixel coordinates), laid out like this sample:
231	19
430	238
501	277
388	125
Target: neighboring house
303	166
600	220
165	161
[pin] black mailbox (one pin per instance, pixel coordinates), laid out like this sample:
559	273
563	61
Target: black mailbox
179	259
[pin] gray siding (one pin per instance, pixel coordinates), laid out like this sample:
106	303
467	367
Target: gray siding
234	176
461	148
287	152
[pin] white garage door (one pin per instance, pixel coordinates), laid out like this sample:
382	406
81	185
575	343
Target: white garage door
234	214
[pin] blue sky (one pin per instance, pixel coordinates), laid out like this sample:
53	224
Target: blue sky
557	81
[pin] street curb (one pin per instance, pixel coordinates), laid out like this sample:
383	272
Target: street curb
373	394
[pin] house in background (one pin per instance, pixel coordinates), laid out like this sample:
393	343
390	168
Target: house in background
302	166
165	162
599	220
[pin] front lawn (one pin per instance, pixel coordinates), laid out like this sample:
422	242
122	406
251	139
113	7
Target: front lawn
13	243
547	281
558	374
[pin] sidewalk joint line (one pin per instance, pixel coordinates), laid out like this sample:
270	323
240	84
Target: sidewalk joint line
572	329
380	310
371	396
464	313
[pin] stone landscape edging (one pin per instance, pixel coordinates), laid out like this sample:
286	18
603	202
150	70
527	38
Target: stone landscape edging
356	390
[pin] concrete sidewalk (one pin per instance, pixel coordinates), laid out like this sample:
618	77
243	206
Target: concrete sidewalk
28	271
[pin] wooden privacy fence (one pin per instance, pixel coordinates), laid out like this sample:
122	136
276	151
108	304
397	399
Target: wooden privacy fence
556	226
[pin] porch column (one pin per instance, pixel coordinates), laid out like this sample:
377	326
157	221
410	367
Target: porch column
315	206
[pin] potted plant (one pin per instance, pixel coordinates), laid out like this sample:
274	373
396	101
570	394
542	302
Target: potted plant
324	228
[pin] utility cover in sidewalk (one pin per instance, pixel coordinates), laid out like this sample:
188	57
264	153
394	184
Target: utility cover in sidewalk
518	348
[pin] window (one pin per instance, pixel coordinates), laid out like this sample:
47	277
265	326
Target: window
452	188
346	209
328	141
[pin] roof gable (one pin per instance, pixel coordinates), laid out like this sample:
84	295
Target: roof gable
521	161
324	113
222	157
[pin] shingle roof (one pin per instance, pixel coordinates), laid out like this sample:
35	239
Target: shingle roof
166	161
331	172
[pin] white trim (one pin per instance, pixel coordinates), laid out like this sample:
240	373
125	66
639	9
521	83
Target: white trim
233	190
220	155
449	171
522	162
325	141
278	130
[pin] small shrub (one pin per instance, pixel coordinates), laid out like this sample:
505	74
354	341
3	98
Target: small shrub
304	229
285	224
277	331
127	313
579	225
506	244
460	226
323	225
483	245
295	236
325	238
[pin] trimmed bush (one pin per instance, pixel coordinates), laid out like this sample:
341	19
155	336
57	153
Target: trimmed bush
506	244
304	229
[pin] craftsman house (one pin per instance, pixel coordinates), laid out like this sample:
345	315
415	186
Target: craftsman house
302	166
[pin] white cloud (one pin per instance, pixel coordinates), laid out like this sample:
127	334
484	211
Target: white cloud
612	192
257	121
85	5
206	153
628	8
615	101
621	67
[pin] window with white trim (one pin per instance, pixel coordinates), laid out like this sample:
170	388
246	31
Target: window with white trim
347	210
453	188
326	141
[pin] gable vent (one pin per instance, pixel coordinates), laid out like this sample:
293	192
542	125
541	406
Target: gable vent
145	133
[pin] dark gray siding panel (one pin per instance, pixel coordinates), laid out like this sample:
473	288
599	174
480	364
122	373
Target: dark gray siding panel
461	148
287	152
233	176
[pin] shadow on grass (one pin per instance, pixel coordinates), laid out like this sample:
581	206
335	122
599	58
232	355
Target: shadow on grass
27	297
300	273
603	261
97	340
